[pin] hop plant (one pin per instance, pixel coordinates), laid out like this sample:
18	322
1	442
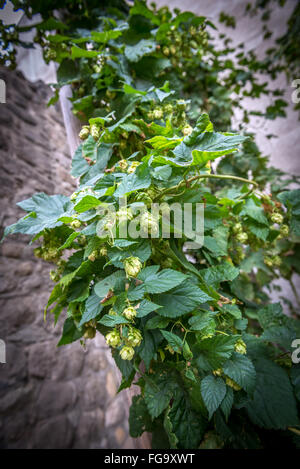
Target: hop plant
84	133
284	230
129	313
123	164
76	224
240	347
232	384
277	218
132	167
149	224
127	353
93	256
134	337
95	131
113	338
132	266
90	333
124	214
187	130
242	237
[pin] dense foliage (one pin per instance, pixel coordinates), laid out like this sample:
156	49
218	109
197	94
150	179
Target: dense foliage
194	329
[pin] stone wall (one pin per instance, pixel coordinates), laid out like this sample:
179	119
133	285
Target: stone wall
49	397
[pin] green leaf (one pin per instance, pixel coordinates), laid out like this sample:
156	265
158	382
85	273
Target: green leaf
187	425
220	273
109	283
146	307
254	212
139	418
140	179
181	300
157	397
86	203
69	240
147	349
112	320
241	369
44	211
201	320
162	281
227	402
70	332
157	322
213	391
79	165
169	429
93	307
212	353
136	52
273	405
78	52
173	340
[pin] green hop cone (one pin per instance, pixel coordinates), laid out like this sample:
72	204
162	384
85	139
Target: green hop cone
149	224
268	261
129	313
158	113
76	224
38	252
240	347
242	237
187	130
54	276
95	131
232	384
284	230
237	228
124	214
90	333
277	218
84	133
93	256
132	167
218	372
103	251
127	353
134	337
277	261
144	197
113	339
132	266
123	165
168	108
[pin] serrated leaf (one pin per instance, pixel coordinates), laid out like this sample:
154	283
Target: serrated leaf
173	340
110	320
273	405
180	300
241	369
213	391
212	353
146	307
93	307
136	52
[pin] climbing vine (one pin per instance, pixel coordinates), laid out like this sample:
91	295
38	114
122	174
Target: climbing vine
192	327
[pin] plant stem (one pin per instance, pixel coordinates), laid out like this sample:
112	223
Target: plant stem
207	176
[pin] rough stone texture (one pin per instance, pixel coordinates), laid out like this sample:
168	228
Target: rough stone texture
49	397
